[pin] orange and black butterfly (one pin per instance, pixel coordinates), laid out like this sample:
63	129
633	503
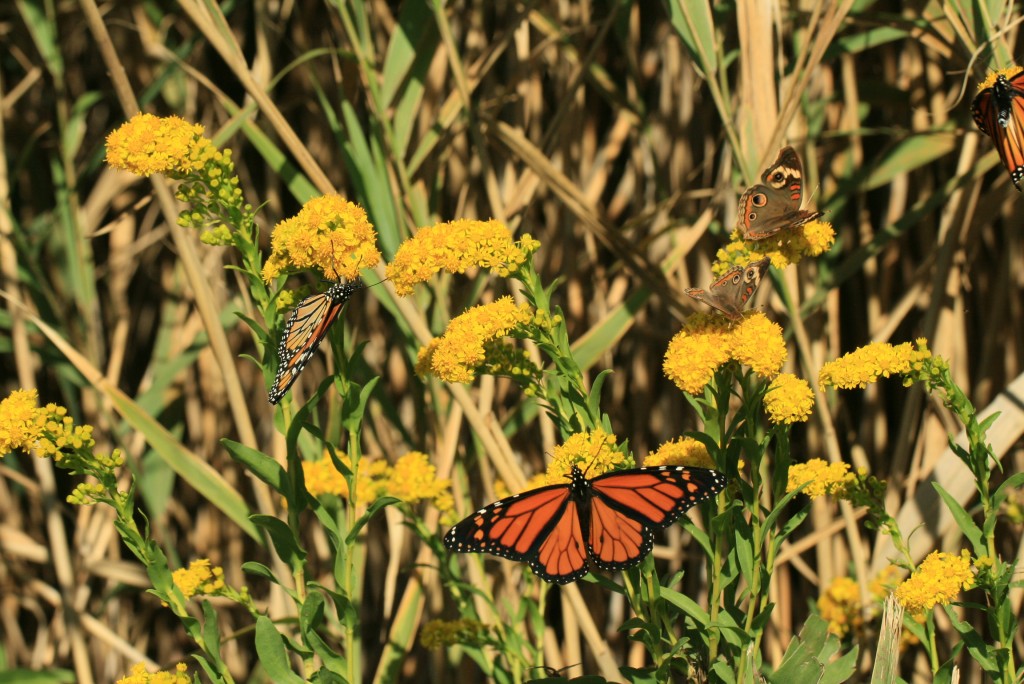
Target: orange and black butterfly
305	330
998	110
609	520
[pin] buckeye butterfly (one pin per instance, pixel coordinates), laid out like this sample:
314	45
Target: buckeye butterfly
733	290
608	521
998	111
774	204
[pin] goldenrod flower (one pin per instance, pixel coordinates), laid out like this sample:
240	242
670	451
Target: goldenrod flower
441	633
990	79
593	452
873	361
697	351
757	342
789	400
824	478
200	578
454	356
19	428
322	477
706	342
138	675
685	451
456	247
413	478
840	606
149	144
789	247
938	580
330	234
48	431
885	581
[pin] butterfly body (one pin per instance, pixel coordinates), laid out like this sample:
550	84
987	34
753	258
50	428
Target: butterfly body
304	331
998	112
774	203
609	520
730	293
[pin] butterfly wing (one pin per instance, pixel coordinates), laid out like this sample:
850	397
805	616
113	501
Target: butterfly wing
628	504
304	331
998	111
730	293
541	527
774	204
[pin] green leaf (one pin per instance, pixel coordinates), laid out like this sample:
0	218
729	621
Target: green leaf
963	520
809	657
695	24
687	605
272	653
260	465
283	537
259	570
373	509
352	413
211	634
1014	481
594	398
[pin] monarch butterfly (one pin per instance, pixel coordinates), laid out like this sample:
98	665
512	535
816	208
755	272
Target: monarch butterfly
609	520
998	111
305	330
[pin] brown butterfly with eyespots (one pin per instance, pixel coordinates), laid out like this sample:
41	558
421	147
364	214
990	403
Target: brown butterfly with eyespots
774	204
730	293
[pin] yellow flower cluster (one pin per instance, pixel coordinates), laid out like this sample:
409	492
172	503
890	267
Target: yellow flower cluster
594	452
789	400
413	478
874	361
441	633
149	144
833	479
19	428
811	239
706	342
46	430
839	605
138	675
938	580
454	356
455	247
330	234
200	579
990	79
685	451
323	478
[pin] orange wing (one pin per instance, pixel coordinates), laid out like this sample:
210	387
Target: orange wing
628	504
616	540
541	527
305	330
998	112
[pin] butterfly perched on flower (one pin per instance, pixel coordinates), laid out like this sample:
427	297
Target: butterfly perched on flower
609	520
774	203
733	290
305	330
998	111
